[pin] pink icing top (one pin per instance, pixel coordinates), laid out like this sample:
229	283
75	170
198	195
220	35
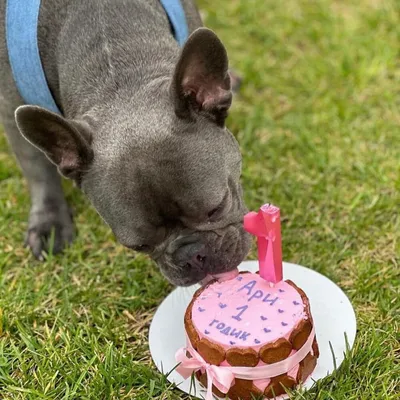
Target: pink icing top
247	311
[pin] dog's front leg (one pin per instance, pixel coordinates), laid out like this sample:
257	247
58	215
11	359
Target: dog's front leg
49	209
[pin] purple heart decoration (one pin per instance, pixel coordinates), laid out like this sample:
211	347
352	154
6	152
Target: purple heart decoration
284	323
296	303
280	311
266	330
206	332
239	278
256	341
222	305
232	343
201	309
263	318
281	290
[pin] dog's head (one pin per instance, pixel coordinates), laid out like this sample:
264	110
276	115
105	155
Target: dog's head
162	169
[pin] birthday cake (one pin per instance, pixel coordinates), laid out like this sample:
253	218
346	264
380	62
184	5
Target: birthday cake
245	322
249	336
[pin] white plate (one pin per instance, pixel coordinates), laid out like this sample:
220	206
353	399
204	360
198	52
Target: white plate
332	312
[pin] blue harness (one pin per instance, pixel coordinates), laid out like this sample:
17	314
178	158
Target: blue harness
21	35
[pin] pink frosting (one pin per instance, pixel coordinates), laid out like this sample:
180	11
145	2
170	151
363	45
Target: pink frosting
263	383
247	311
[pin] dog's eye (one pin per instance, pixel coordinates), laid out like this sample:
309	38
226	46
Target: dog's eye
143	248
214	213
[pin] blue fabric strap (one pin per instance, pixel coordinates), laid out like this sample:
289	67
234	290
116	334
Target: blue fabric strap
177	17
21	35
22	18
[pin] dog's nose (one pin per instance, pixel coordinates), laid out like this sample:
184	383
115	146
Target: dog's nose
199	260
192	256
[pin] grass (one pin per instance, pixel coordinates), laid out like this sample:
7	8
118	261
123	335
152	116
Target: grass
319	126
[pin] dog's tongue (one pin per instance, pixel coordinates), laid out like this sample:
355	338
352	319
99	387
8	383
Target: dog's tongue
225	276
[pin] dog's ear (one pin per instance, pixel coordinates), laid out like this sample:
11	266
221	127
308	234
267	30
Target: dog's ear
66	143
201	81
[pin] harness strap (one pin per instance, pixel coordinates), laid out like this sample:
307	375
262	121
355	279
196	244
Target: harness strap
22	18
21	35
177	17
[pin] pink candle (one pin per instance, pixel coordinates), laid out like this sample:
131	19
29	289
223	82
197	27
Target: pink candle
266	225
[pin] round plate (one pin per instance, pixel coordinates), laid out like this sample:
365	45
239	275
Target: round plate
332	312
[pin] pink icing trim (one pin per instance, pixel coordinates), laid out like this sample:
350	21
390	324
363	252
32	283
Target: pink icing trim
247	312
263	383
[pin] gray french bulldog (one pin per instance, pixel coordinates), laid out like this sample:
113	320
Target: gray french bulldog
142	134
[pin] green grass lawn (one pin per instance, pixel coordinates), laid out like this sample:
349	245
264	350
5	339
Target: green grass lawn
319	126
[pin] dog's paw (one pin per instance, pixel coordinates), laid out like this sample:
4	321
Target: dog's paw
50	230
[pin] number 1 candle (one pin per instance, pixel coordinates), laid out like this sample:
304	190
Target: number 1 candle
266	225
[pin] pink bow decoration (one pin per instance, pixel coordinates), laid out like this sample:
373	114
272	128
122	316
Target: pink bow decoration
266	225
221	378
